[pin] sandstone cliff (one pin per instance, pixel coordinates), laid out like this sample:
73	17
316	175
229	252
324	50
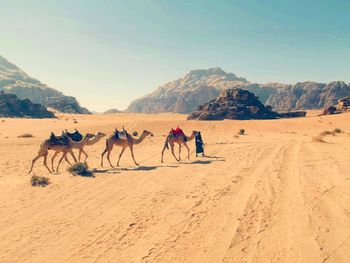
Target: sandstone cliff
16	81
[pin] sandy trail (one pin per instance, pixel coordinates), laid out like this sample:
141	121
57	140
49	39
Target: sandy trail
272	195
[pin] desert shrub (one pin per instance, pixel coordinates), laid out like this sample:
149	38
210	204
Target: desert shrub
325	133
26	135
241	132
39	181
135	133
80	169
337	130
75	121
318	138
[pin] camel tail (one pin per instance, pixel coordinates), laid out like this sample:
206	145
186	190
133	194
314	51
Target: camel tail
166	144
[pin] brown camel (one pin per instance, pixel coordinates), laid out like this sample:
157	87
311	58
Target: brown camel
57	148
96	139
130	142
171	139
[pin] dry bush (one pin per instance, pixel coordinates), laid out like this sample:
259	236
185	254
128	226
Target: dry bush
318	138
337	130
241	132
39	181
80	169
135	133
75	121
325	133
26	135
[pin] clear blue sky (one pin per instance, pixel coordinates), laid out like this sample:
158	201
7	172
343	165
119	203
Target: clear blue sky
106	53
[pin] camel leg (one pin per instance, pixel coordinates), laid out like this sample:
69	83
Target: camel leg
120	155
59	162
67	160
52	160
109	160
188	150
172	151
33	162
71	153
132	154
45	162
80	150
108	149
165	146
180	152
102	154
86	155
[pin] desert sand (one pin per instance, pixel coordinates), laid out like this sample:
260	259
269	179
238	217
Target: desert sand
272	195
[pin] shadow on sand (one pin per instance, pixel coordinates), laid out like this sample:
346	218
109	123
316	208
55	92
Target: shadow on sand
137	168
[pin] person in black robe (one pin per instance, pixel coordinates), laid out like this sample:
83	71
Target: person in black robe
199	144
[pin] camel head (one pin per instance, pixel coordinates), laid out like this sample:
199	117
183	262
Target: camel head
148	133
100	134
90	135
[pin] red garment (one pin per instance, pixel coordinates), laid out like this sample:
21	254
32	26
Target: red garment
177	132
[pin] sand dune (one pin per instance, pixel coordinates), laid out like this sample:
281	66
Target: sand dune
273	195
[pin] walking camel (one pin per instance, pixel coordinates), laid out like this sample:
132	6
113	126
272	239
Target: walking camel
182	139
80	146
47	145
129	142
96	139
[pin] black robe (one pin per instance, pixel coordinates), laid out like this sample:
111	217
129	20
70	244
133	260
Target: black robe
199	143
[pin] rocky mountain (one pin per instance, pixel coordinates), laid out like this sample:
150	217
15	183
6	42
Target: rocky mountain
11	106
112	111
199	86
185	94
16	81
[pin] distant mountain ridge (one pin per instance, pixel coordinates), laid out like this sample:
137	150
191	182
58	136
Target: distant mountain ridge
200	86
16	81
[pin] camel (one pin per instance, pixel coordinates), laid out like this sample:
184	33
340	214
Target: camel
58	148
96	139
171	139
130	142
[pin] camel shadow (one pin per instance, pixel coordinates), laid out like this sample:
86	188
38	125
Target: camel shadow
137	168
205	161
107	171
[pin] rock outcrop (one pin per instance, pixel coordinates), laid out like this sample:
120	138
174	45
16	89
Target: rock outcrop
14	80
235	104
11	106
344	104
199	86
112	111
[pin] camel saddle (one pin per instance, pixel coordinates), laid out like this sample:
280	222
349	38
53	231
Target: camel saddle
75	136
177	133
58	140
121	135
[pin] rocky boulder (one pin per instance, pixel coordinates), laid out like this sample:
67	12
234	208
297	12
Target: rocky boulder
11	106
344	104
235	104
